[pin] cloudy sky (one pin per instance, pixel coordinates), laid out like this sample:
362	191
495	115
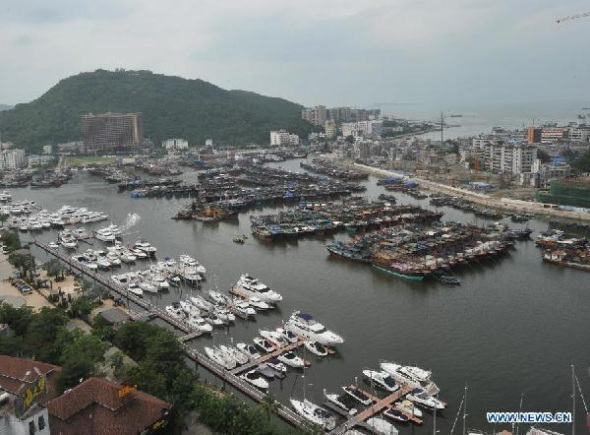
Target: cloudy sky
358	52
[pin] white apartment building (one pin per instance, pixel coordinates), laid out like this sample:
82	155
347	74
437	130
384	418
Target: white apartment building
581	133
362	129
282	138
175	144
510	158
12	159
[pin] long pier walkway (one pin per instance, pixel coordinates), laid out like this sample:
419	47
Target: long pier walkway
239	384
266	357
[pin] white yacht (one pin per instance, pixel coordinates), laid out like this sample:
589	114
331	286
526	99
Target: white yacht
278	367
358	395
173	311
422	398
306	326
291	360
273	337
134	288
316	348
128	257
287	335
139	254
215	356
201	303
256	379
248	287
259	304
67	240
53	246
409	408
381	426
415	377
188	261
145	247
263	344
234	353
189	308
314	414
249	350
218	298
242	309
103	263
199	324
224	314
342	401
113	258
105	235
382	379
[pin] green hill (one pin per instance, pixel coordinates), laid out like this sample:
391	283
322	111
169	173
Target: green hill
171	107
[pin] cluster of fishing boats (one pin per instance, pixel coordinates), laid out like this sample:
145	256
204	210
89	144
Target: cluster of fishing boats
332	170
457	203
565	250
353	215
414	252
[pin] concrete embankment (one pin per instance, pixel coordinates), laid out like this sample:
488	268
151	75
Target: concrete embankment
504	204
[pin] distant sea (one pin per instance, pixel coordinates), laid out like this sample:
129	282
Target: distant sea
481	119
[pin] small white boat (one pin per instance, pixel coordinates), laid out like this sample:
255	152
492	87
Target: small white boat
278	367
382	379
145	247
305	325
215	356
134	288
201	303
263	344
103	263
249	350
53	245
128	257
213	319
189	308
395	415
113	259
218	297
259	304
316	348
174	311
234	353
139	254
342	401
291	360
422	398
358	395
256	379
314	414
382	427
199	324
288	335
274	338
409	408
224	314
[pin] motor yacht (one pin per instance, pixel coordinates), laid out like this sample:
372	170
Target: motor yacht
139	254
224	314
421	398
256	379
188	261
249	350
291	360
287	335
199	324
314	414
127	257
358	395
83	260
173	311
234	353
263	344
248	287
415	377
242	309
396	415
381	426
103	263
274	338
279	368
145	247
201	303
216	356
218	297
104	235
258	304
382	379
53	246
189	308
67	240
213	319
134	288
305	325
316	348
409	408
113	259
343	401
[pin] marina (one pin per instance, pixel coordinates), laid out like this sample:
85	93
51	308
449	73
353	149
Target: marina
226	262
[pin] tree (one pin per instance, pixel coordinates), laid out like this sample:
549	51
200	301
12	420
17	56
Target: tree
117	363
349	139
269	406
42	334
582	163
79	357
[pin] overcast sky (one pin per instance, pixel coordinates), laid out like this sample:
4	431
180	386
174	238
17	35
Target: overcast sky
329	52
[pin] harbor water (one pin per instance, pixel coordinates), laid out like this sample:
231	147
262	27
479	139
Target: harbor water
512	328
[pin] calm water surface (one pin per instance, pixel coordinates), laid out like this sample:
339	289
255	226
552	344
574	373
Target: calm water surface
513	327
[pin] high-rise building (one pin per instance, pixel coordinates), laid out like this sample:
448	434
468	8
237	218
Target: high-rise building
111	132
533	134
283	137
330	129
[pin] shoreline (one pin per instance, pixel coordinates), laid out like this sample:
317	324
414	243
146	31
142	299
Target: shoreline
505	204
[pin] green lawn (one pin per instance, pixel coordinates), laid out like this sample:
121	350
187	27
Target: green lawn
90	160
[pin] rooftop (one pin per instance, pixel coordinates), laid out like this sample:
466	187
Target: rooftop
17	374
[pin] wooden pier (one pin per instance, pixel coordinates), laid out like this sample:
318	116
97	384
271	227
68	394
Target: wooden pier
380	405
189	337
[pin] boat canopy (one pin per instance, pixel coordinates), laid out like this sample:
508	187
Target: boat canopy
305	316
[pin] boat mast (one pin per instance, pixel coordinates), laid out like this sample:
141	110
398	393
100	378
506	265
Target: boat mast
573	401
465	412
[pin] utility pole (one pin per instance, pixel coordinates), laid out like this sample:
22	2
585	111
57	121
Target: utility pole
442	127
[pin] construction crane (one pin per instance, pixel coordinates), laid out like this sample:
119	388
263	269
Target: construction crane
573	17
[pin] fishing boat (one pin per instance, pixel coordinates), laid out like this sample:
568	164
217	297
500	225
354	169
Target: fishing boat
314	413
382	379
358	395
400	272
316	348
256	379
305	325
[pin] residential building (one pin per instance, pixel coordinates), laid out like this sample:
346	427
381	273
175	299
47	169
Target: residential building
283	138
11	159
47	149
362	130
579	133
111	132
98	406
316	115
330	129
175	145
533	134
512	158
114	317
209	143
25	388
362	150
70	148
553	134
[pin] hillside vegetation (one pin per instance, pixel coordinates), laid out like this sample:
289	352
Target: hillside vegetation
171	107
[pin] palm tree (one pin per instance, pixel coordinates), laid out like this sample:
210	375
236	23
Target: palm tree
269	406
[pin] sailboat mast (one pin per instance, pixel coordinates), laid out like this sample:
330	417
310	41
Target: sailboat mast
465	412
573	401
